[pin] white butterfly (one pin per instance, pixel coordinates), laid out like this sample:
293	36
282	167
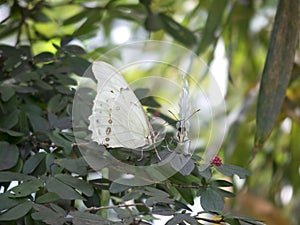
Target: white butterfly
183	124
118	118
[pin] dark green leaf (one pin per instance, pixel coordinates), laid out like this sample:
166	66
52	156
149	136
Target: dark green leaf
48	197
7	176
43	85
38	123
224	193
59	140
116	187
177	31
179	218
154	200
10	120
221	183
211	200
62	190
7	202
78	166
85	218
132	195
207	173
9	155
123	213
6	92
11	133
155	192
78	184
74	49
232	221
229	170
43	57
244	219
33	162
47	215
26	188
162	210
16	212
154	22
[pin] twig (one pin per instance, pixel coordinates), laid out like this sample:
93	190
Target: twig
179	185
113	206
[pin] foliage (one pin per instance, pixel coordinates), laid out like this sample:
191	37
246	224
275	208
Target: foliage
47	45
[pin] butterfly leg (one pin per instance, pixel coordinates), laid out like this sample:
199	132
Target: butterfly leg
142	155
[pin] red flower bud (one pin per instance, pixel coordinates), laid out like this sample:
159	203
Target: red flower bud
216	161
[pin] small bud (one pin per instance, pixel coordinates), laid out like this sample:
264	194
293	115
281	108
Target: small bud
216	161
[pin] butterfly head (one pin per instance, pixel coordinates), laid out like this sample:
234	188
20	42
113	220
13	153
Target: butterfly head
182	132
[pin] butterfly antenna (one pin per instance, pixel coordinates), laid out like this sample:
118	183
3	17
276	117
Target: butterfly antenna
193	114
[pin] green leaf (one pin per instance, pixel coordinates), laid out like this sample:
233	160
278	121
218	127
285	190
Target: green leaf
244	219
6	92
157	199
224	193
211	200
74	49
154	22
116	187
11	133
62	190
177	31
26	188
43	57
58	139
78	166
16	212
7	202
229	170
221	183
162	210
155	192
278	67
179	218
132	195
43	85
7	176
48	197
232	221
49	216
85	218
10	120
213	22
33	162
9	155
78	184
38	123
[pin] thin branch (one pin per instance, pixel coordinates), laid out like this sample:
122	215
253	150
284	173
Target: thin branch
180	185
114	206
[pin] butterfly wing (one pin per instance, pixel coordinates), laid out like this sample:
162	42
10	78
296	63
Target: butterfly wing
118	118
183	124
